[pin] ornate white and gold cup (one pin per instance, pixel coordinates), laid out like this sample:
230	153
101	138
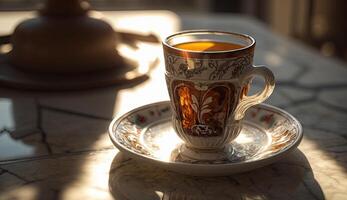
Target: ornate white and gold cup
208	75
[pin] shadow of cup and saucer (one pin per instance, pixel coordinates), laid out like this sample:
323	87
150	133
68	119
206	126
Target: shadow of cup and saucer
289	178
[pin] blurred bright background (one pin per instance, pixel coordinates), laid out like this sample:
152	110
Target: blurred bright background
318	23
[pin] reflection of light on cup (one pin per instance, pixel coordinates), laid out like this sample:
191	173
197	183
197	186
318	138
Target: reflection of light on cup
180	40
191	64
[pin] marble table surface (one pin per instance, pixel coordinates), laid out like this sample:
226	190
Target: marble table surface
54	145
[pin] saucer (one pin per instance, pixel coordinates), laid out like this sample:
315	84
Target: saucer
146	133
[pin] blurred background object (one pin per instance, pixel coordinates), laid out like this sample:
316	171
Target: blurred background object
319	23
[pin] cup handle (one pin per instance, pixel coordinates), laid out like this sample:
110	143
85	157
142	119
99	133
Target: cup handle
249	101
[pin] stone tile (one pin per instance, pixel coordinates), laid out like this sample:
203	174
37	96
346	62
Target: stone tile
109	103
19	116
63	132
277	98
41	190
70	133
325	72
326	141
325	137
290	178
329	167
98	103
6	120
71	176
295	94
9	181
283	69
335	97
159	22
151	91
25	147
318	116
29	192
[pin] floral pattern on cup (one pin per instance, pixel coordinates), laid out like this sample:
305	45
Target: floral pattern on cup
212	69
203	108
